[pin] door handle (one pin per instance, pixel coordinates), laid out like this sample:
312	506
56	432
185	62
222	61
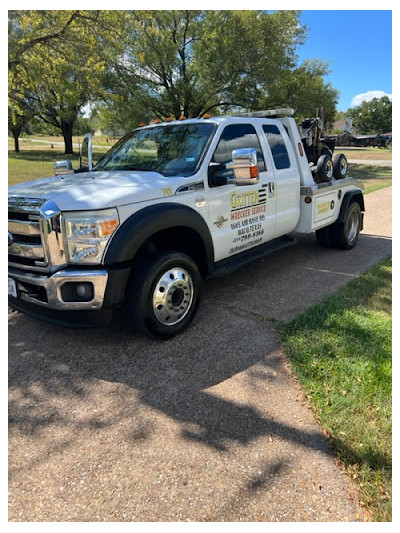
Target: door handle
271	188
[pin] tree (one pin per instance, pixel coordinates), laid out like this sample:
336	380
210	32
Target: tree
139	65
374	116
19	115
305	90
21	109
193	62
53	55
63	88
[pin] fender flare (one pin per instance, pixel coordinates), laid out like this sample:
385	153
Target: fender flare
140	226
351	196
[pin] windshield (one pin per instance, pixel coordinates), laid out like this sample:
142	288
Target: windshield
173	149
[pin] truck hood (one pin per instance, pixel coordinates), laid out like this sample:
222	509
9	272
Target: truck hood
98	190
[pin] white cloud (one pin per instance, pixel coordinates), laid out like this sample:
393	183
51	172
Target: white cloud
367	97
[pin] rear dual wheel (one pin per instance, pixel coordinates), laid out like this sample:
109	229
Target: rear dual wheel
343	235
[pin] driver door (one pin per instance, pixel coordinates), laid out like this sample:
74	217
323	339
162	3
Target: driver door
241	216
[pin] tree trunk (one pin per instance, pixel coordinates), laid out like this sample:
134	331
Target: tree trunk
16	144
66	128
16	132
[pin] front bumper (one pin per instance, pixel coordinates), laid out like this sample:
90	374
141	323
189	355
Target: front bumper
47	291
56	298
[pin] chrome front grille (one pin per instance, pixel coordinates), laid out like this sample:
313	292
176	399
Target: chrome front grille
35	241
26	249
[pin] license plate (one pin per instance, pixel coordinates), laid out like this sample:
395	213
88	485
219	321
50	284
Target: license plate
12	288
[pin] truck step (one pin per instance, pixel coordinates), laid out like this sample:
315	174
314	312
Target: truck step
226	266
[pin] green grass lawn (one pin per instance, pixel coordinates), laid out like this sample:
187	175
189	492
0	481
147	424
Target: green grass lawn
340	350
35	161
373	177
369	153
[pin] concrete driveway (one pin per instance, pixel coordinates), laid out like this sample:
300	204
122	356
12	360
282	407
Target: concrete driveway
208	426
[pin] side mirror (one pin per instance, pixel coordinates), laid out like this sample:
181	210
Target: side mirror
63	167
244	166
86	153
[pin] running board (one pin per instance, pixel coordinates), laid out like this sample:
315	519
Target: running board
226	266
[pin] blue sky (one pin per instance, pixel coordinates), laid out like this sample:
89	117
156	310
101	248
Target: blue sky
358	44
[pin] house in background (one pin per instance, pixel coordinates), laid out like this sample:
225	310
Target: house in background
349	136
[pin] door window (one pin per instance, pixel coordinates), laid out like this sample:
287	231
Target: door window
233	137
277	144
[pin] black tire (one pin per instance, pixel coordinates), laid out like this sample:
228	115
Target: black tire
324	236
345	234
324	168
340	166
164	294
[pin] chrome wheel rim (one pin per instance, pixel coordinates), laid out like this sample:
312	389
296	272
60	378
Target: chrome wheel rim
173	296
343	167
329	169
352	226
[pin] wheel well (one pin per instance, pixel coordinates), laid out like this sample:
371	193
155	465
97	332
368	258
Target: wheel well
180	239
360	199
357	197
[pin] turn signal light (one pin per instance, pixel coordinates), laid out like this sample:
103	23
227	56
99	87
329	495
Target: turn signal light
254	171
108	226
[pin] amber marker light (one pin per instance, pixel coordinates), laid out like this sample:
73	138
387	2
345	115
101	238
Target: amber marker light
254	171
308	200
300	146
108	226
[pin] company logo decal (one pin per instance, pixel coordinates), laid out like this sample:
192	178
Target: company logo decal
247	218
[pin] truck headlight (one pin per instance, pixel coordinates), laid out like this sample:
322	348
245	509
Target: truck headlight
87	234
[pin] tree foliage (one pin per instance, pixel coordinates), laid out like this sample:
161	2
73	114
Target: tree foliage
137	65
19	115
374	116
192	62
53	61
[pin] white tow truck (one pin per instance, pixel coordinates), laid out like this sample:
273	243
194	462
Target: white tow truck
168	206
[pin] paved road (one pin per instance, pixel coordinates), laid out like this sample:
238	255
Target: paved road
209	426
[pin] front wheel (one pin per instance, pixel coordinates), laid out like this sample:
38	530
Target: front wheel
164	294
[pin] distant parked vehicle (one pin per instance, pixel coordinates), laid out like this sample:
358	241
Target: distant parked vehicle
383	140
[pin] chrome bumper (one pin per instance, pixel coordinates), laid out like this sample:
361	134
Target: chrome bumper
49	288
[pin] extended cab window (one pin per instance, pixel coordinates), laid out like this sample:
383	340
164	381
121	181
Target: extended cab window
277	144
233	137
